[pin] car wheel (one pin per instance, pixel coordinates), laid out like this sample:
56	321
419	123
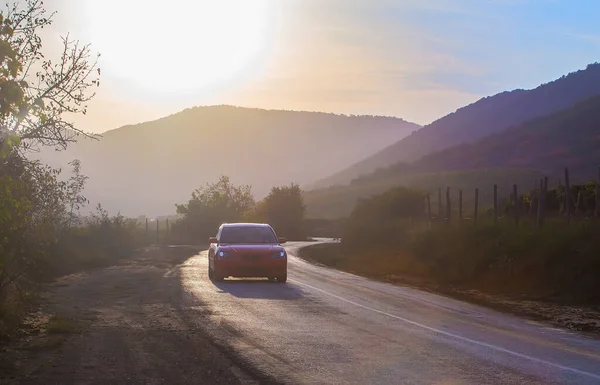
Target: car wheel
282	279
211	273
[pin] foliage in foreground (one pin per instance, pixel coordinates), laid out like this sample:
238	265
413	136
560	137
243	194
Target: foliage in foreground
38	92
42	237
40	232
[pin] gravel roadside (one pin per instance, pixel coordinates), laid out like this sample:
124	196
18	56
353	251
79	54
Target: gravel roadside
126	324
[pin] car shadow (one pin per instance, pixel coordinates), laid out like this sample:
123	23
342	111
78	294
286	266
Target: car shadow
260	289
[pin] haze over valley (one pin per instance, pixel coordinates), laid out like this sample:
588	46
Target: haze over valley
144	169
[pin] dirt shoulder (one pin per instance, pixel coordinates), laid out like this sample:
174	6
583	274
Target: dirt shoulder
585	319
127	324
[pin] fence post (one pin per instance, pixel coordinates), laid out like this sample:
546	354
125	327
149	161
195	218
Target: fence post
429	210
460	206
533	199
167	237
440	203
517	204
598	195
561	203
448	208
539	204
545	208
495	203
476	205
567	195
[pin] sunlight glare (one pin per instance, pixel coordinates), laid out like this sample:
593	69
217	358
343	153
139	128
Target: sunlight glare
180	45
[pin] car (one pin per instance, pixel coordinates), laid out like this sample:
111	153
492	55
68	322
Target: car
245	250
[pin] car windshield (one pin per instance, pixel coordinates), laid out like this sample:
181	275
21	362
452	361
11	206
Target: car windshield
247	234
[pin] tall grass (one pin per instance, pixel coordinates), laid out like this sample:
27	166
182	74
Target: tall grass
558	262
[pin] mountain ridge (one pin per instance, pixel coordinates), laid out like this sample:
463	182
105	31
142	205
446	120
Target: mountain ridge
486	116
164	160
540	147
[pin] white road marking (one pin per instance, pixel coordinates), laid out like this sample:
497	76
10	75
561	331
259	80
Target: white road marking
455	336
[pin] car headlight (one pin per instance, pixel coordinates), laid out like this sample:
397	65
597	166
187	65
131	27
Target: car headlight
279	254
223	254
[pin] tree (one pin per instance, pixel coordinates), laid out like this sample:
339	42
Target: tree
32	211
37	93
74	195
214	204
284	209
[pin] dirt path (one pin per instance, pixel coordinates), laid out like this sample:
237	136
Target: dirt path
127	324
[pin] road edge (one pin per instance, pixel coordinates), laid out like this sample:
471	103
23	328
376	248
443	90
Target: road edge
467	298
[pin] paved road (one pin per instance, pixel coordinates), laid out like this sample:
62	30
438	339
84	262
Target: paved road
326	326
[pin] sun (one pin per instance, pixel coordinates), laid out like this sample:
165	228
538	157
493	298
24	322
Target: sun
178	45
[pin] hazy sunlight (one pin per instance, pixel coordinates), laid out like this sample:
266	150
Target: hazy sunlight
338	191
182	45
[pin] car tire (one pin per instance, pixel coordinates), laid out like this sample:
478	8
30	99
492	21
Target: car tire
217	277
211	274
282	279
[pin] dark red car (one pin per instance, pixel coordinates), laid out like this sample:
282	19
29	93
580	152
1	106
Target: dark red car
247	250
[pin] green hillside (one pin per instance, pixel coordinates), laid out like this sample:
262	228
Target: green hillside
338	201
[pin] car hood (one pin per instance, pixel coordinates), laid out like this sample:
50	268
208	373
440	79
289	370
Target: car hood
253	248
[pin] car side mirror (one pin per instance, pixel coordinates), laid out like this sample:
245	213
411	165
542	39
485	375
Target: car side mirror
282	240
213	240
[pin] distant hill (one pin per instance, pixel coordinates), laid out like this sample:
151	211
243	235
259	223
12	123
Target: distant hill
570	137
486	116
542	146
148	167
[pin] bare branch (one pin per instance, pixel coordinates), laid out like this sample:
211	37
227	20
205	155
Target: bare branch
56	89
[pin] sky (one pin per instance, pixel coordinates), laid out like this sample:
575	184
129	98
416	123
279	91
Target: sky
414	59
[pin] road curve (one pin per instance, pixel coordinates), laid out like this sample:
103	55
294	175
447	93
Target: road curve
326	326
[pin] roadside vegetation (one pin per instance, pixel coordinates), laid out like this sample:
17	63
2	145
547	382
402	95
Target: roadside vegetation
390	237
42	234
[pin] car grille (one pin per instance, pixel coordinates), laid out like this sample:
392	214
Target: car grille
252	257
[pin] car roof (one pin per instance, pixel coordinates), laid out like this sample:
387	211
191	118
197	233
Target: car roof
245	225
